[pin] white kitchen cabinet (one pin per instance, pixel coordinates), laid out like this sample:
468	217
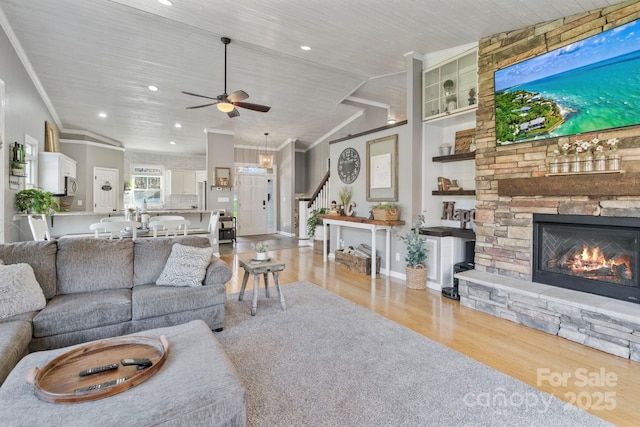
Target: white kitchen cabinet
182	182
52	170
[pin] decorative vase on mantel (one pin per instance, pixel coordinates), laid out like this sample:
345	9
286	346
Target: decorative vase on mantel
587	162
565	163
554	164
575	162
614	161
600	162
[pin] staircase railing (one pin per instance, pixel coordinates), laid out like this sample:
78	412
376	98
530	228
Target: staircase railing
319	199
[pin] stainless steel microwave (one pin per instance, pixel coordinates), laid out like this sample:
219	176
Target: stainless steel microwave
70	186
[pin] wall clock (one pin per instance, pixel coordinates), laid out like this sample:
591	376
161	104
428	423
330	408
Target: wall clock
348	165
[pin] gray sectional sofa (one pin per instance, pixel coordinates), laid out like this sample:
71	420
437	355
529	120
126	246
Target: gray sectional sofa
97	288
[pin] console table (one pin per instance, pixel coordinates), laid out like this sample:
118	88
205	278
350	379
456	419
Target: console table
373	225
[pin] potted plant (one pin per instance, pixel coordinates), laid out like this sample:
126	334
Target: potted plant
261	249
416	257
17	169
313	221
386	211
36	201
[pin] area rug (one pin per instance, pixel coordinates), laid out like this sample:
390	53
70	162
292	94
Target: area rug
327	361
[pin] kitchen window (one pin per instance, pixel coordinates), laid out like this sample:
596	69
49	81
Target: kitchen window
148	185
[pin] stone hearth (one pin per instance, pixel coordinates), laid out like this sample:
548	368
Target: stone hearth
602	323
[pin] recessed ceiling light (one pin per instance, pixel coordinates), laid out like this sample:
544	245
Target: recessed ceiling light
172	142
391	121
165	2
305	47
153	88
178	125
103	115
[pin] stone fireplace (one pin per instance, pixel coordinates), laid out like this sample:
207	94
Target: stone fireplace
513	189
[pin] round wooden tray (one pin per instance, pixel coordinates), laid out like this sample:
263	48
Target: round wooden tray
57	381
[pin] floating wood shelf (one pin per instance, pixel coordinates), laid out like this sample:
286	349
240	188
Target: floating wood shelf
454	193
458	157
609	184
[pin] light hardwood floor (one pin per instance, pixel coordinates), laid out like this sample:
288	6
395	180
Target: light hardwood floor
605	385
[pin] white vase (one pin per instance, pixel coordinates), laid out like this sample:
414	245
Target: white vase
261	255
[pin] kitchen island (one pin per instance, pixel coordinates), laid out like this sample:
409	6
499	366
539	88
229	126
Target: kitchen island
78	222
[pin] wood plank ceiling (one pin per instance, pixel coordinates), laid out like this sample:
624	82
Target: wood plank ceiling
94	56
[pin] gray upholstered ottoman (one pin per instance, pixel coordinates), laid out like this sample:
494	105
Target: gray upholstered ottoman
196	386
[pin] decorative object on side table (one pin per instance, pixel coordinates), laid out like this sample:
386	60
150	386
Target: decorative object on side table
261	249
36	201
386	211
344	196
416	256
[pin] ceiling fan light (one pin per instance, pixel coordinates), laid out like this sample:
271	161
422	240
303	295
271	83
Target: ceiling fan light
265	161
225	107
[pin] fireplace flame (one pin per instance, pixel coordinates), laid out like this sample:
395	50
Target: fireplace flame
593	260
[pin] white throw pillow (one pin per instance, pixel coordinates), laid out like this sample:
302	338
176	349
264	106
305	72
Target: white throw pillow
186	266
19	290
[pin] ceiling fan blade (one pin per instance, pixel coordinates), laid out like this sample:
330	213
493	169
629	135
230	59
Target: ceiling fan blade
254	107
195	94
238	95
233	113
200	106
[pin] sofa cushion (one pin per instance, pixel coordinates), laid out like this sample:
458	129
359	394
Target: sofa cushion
80	311
41	256
186	266
14	345
153	300
86	265
19	291
218	272
150	255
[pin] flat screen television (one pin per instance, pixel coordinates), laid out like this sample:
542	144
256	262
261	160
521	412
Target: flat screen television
588	86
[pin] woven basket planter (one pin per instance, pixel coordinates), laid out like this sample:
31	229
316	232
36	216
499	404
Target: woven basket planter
386	214
416	277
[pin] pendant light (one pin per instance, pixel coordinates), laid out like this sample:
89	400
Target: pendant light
266	160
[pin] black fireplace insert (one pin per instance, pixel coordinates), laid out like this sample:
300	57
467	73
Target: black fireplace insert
599	255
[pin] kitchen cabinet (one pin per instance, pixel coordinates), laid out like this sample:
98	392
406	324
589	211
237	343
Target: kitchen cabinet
52	170
182	182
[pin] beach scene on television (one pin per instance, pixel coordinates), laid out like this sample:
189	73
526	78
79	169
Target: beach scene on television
587	86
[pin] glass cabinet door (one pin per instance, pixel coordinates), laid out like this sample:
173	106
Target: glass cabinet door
450	86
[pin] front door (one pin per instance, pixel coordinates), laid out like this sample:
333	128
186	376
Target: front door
105	189
252	204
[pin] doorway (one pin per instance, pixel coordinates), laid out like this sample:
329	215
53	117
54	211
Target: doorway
105	189
256	202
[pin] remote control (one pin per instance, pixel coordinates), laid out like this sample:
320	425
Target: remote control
98	369
140	363
102	385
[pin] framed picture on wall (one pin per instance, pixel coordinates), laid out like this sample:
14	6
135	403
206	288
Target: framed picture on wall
382	169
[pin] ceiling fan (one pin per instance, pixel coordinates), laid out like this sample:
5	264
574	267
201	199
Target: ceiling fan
227	102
